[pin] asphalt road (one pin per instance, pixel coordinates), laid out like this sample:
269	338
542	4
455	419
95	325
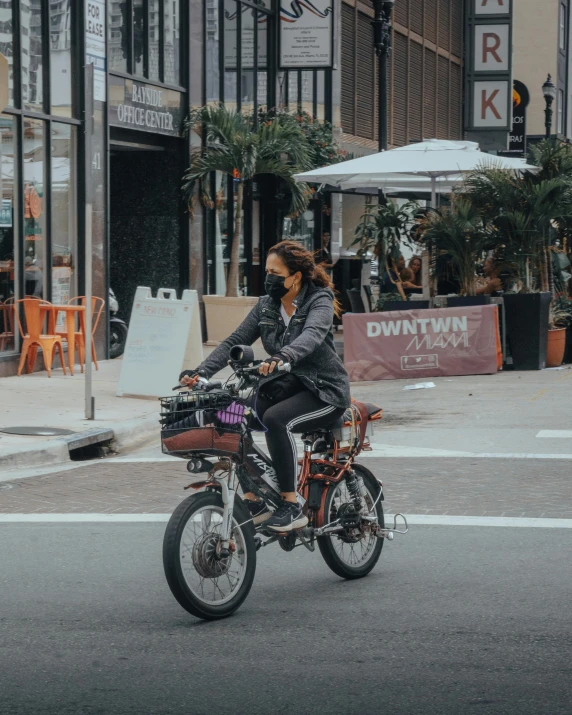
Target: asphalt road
453	620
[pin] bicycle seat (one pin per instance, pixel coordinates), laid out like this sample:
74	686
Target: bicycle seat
374	412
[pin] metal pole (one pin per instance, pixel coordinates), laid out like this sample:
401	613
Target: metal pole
88	128
548	117
433	192
382	42
382	81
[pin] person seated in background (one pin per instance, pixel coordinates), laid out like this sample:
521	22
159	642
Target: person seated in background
407	278
492	283
415	265
323	256
391	277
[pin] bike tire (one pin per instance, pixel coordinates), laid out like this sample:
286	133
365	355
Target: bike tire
172	556
327	544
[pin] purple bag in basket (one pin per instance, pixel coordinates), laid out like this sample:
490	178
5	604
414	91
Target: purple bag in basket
232	416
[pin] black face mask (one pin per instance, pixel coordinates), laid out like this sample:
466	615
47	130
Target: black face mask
274	286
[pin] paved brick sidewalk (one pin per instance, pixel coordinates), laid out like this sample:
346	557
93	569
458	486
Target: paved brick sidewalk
493	487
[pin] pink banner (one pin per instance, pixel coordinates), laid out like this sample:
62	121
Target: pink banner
412	344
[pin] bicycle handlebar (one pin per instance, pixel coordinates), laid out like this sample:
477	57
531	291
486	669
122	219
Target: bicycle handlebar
206	384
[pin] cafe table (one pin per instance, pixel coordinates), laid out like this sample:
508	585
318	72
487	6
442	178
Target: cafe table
70	312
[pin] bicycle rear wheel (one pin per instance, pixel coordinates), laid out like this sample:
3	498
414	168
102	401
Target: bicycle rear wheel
204	584
352	558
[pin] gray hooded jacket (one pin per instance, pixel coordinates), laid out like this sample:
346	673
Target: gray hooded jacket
307	342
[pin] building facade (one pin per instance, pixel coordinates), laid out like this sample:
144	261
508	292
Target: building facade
541	46
425	74
154	60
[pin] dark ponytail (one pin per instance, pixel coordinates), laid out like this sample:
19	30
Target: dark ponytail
296	258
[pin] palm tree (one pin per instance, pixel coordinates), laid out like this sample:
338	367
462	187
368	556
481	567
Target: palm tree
233	145
521	212
457	234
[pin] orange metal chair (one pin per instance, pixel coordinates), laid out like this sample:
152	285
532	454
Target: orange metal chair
97	306
35	313
7	314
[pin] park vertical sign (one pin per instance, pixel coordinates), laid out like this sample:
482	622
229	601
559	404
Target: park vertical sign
489	66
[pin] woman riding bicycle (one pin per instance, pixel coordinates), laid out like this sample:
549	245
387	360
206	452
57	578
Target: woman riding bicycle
295	323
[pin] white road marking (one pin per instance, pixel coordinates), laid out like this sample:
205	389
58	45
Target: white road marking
387	450
142	460
412	519
390	450
554	434
448	520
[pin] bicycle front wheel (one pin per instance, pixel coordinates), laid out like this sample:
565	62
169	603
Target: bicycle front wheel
206	585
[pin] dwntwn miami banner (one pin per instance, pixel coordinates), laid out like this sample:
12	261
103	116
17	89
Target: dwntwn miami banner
306	34
414	344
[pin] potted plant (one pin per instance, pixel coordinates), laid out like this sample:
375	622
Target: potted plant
456	237
522	214
235	145
380	231
560	318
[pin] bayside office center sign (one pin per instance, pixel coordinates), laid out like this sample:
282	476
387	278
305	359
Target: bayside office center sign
136	105
489	65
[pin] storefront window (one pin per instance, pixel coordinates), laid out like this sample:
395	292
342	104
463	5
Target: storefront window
64	227
34	207
32	48
60	57
248	40
172	43
7	240
6	44
262	89
321	95
138	37
118	35
212	52
243	267
308	92
300	229
231	9
292	90
154	29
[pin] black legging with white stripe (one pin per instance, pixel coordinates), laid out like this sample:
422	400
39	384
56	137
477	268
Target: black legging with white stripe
301	413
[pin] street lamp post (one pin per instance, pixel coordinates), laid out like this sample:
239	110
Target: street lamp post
382	42
549	92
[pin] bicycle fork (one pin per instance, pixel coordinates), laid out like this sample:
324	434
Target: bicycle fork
228	484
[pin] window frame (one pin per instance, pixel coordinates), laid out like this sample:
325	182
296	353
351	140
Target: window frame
20	114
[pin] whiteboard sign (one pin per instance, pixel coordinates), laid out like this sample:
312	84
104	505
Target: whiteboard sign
306	34
164	338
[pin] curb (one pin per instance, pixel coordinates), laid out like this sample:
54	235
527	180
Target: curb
127	435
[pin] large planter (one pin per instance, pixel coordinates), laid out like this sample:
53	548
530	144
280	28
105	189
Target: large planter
555	348
405	305
568	351
224	315
527	329
463	301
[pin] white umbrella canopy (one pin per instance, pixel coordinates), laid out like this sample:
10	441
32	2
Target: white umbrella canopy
427	161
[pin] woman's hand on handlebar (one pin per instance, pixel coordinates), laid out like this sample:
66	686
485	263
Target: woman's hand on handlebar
270	364
189	378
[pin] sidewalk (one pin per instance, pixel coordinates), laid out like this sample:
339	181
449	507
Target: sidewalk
39	401
502	413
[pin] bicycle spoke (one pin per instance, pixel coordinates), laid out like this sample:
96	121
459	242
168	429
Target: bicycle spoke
210	578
